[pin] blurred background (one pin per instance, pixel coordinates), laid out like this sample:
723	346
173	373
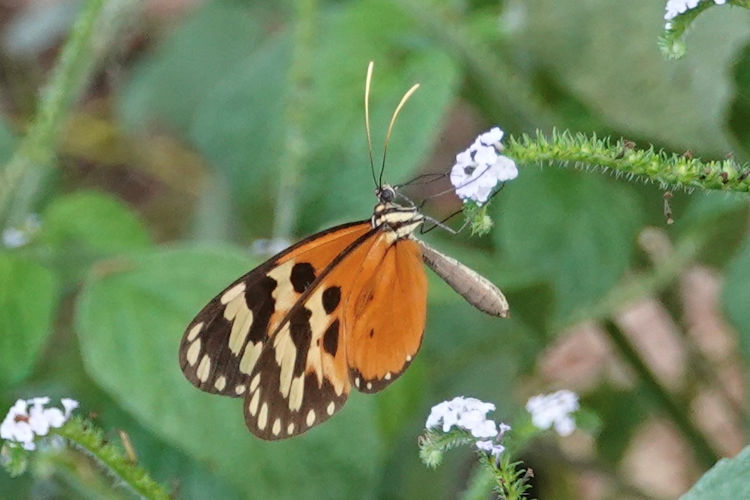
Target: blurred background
211	130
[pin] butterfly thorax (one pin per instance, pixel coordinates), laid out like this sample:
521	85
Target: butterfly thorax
398	220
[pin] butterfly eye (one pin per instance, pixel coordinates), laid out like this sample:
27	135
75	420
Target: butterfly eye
386	194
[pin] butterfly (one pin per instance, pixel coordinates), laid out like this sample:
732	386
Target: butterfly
344	307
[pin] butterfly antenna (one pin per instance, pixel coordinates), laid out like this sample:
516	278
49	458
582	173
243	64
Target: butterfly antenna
390	127
368	80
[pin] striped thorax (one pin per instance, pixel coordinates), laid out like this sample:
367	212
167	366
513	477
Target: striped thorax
397	220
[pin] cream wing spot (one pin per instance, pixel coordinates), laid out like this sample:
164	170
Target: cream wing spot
253	406
310	418
220	383
239	389
194	331
356	382
296	392
254	382
286	353
250	357
330	408
369	385
242	319
263	416
276	429
290	429
387	376
203	368
408	357
193	351
232	293
284	294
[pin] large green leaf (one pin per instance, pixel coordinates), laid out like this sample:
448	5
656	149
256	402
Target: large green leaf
729	479
578	230
170	83
28	298
606	53
241	125
130	317
79	228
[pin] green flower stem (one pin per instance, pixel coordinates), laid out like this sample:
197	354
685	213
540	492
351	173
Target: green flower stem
676	411
86	438
298	100
22	175
671	171
672	41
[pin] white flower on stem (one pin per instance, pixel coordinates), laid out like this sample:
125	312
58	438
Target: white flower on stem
548	410
676	7
30	418
469	414
481	167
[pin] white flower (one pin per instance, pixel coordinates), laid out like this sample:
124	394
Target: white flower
480	168
677	7
469	414
554	409
30	418
14	237
495	449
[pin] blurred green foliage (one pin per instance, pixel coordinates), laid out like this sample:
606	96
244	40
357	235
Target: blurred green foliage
94	305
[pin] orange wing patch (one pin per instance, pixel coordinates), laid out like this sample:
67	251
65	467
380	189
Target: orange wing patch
386	315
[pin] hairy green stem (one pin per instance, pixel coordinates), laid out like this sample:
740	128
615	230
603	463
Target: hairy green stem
678	413
669	170
298	99
672	41
86	438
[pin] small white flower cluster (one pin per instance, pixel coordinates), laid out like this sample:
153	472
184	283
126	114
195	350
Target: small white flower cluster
481	167
676	7
14	237
29	418
554	409
469	414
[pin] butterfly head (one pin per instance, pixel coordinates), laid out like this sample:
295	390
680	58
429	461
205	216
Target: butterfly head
397	220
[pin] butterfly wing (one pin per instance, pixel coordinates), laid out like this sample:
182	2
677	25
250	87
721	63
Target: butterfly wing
223	343
302	377
386	314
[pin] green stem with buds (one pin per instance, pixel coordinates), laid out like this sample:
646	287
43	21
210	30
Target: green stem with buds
671	171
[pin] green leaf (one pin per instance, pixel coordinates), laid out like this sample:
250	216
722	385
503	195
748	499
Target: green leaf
679	103
81	227
578	230
736	295
727	480
241	124
130	317
170	83
28	299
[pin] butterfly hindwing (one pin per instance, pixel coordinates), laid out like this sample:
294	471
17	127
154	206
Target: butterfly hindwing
386	315
223	343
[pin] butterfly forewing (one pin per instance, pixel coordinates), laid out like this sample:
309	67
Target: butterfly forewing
222	344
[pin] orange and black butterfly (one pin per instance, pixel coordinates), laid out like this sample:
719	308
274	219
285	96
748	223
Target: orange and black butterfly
344	307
